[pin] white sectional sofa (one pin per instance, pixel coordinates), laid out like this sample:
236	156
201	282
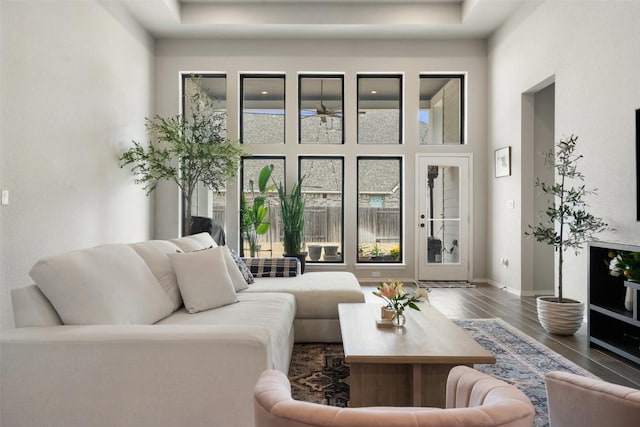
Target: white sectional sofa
157	333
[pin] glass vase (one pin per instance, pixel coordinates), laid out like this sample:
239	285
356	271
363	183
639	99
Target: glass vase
399	319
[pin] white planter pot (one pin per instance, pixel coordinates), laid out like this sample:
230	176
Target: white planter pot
628	299
560	319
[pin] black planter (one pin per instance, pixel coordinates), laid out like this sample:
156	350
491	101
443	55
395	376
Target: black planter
302	257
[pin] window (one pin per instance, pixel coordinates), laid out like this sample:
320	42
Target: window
325	155
379	209
379	109
323	189
443	213
263	109
268	243
207	203
441	109
321	109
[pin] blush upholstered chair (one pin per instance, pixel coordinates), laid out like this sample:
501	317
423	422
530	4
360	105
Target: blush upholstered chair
473	399
585	402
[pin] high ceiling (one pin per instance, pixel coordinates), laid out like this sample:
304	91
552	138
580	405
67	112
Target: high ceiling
325	19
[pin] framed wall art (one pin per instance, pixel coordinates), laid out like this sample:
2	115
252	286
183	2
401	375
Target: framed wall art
503	161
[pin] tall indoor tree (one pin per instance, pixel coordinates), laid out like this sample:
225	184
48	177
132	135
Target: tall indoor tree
186	150
565	224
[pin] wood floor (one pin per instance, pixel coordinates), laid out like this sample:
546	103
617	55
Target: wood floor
485	301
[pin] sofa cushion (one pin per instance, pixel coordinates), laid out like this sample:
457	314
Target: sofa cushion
32	308
273	312
156	254
317	293
203	279
194	242
239	283
109	284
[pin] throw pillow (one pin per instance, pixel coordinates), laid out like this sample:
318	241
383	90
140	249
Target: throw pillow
194	242
109	284
203	279
246	272
273	267
234	272
155	254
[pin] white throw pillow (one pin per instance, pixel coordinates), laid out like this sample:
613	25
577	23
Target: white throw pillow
203	279
109	284
194	242
239	283
156	254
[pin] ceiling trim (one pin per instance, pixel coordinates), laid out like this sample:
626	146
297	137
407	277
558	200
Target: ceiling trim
332	19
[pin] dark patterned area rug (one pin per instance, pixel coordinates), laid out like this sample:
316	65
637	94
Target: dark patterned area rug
318	372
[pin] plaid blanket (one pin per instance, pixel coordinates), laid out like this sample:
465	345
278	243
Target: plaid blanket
273	267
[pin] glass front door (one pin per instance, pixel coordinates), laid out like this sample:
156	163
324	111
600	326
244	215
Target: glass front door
443	218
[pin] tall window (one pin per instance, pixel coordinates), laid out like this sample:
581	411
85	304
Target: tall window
441	109
207	203
263	109
379	109
321	109
269	243
380	209
322	152
323	188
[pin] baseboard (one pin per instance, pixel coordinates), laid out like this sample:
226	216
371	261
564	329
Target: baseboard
378	280
502	286
373	281
517	292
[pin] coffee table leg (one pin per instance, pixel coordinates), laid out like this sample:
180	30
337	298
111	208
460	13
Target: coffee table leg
416	396
433	385
398	385
379	385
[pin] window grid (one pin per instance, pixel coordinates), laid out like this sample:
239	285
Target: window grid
205	202
323	186
379	209
379	109
320	109
270	242
396	101
452	130
262	108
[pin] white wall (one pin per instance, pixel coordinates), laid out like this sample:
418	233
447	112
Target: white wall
544	141
590	49
76	82
350	57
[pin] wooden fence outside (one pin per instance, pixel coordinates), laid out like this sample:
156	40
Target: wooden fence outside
324	224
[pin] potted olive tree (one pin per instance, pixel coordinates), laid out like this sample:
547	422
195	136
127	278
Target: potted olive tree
565	225
186	151
254	216
292	213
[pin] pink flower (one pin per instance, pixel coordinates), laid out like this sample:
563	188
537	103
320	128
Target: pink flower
395	297
388	291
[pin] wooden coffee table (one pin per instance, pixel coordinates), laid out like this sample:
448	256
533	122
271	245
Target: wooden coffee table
405	366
